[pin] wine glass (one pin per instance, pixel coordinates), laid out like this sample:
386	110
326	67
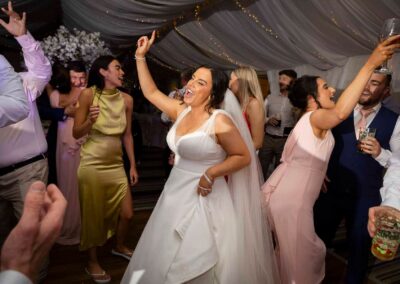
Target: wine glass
390	28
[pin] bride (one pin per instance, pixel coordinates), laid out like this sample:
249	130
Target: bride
204	230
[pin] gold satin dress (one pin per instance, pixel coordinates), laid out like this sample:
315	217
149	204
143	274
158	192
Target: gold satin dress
102	179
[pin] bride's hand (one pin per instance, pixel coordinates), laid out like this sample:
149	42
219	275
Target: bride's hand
144	44
384	51
204	188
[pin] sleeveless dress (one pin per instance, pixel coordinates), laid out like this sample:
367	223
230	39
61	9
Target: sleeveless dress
290	193
102	179
189	238
67	163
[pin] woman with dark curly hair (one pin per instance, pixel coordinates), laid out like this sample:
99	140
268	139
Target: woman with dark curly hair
196	233
292	189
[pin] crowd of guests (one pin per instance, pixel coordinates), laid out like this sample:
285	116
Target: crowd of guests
299	147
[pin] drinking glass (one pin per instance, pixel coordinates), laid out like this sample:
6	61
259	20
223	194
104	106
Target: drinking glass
279	119
386	240
390	28
363	134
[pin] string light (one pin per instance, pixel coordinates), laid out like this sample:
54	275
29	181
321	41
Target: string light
256	20
223	54
348	27
159	62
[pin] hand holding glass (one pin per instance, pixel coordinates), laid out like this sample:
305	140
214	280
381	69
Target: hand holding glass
387	236
390	28
279	119
363	134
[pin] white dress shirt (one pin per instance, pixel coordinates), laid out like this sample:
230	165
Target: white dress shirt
25	139
172	94
278	104
13	277
390	192
13	102
385	155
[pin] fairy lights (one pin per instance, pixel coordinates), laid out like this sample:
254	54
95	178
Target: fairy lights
256	19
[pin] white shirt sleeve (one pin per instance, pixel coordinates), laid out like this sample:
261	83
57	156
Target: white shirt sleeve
13	101
13	277
385	155
390	192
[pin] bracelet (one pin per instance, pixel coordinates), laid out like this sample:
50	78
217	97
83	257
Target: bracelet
140	58
208	179
203	188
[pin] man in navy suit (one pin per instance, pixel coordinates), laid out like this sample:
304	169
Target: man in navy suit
356	177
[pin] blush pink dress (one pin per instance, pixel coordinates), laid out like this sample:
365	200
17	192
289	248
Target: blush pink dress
67	161
290	194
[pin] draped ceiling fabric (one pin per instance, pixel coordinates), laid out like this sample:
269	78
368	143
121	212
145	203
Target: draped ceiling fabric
330	38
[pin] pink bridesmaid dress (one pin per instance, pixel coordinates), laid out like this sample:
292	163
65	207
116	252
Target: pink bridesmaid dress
290	194
67	162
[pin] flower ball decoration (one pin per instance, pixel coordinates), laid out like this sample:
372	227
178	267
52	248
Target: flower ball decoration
65	46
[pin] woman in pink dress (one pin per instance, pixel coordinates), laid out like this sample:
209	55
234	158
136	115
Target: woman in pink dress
69	84
292	189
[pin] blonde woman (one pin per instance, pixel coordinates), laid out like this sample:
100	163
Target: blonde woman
246	87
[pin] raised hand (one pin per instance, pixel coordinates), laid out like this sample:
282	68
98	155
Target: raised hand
144	44
16	25
384	50
30	241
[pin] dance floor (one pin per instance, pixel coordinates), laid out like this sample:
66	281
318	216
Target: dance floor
67	263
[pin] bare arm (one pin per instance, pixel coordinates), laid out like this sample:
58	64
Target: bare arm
324	119
257	120
85	115
238	155
127	139
169	106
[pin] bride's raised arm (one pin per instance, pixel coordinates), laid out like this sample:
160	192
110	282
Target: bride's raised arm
169	106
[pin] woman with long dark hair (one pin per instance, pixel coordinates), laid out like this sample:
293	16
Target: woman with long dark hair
203	229
294	186
104	114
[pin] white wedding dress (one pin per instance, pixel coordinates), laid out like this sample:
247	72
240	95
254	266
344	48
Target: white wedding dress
212	239
188	235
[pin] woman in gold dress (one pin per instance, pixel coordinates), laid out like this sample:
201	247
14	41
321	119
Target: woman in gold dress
104	114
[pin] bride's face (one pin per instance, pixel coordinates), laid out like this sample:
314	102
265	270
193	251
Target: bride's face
198	88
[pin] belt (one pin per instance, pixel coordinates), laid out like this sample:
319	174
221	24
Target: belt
276	136
11	168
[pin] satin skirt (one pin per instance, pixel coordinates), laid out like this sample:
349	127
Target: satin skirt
102	187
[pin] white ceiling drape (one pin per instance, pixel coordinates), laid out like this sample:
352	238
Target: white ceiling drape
320	37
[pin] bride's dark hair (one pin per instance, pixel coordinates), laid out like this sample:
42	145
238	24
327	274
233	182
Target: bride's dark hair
218	89
302	88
